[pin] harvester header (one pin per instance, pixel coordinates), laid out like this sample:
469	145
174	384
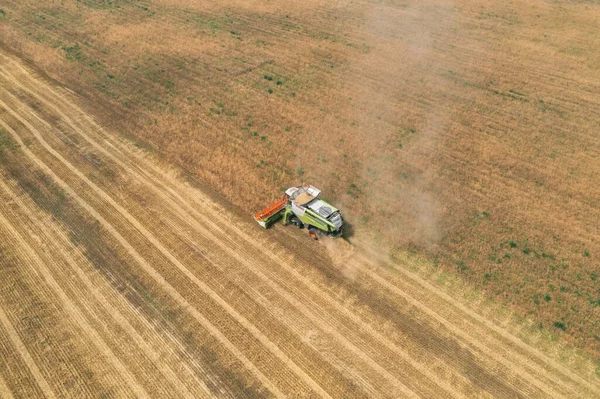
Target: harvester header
300	206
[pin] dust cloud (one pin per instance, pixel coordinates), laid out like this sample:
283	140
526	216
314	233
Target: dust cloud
399	142
342	254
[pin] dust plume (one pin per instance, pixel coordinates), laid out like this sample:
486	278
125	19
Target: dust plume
342	254
393	135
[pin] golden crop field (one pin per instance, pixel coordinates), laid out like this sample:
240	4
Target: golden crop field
459	138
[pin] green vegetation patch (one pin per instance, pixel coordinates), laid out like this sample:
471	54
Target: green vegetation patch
74	53
101	4
7	142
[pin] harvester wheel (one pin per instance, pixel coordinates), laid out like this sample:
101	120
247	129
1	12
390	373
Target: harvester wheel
313	233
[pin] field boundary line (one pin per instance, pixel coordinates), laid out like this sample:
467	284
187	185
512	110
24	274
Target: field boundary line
115	313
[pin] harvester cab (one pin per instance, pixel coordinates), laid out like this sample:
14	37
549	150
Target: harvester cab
302	207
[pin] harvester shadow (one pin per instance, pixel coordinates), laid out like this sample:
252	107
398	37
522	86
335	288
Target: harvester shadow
348	231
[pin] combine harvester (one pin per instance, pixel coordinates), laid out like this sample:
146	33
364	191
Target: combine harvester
300	206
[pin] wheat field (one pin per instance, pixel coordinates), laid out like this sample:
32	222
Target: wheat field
462	132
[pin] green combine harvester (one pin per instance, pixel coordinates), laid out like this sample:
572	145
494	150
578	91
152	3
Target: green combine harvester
300	206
